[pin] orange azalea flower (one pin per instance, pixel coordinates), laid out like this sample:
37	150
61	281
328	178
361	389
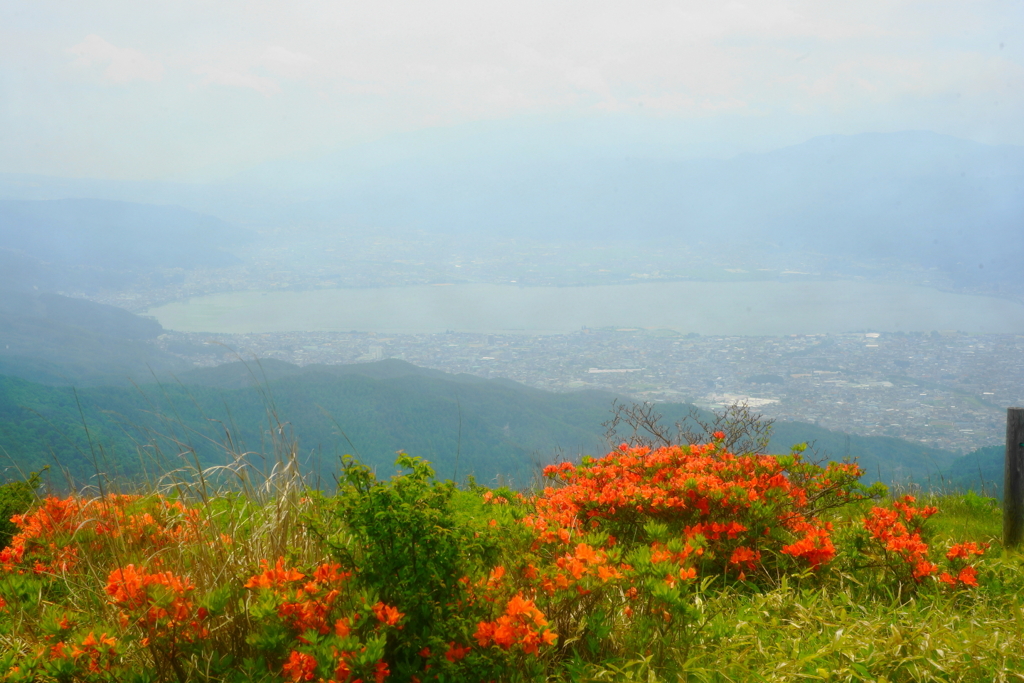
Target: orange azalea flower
505	634
968	576
815	547
277	577
742	555
585	553
963	551
329	573
494	579
58	651
455	652
300	667
484	633
387	614
660	554
342	671
924	568
519	625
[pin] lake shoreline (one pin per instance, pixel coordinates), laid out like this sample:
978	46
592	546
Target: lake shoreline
730	308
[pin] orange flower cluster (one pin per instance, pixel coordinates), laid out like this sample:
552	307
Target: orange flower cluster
730	507
386	614
491	499
455	652
310	603
661	554
582	561
815	547
36	541
41	542
300	667
522	624
98	654
304	605
885	526
161	603
587	560
968	576
964	551
959	554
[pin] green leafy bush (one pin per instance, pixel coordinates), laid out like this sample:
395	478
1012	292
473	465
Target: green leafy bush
16	498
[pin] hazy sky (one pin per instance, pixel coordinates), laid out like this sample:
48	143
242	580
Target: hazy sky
181	88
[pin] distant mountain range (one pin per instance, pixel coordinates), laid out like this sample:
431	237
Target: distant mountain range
75	243
917	197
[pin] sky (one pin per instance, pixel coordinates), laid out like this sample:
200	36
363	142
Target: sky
197	89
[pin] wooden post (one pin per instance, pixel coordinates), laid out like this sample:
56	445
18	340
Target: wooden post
1013	488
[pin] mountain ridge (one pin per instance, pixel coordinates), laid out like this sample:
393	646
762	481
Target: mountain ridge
495	429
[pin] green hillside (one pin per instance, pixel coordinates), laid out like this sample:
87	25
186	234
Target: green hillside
464	425
53	339
981	471
496	430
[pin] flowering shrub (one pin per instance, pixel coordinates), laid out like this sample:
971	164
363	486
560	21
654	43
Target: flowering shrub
314	628
899	544
414	580
638	530
726	510
160	606
897	532
42	542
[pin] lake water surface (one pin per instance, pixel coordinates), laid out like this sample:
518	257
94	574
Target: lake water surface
712	308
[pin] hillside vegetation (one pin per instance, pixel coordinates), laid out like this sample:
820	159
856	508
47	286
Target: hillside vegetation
677	563
497	430
61	341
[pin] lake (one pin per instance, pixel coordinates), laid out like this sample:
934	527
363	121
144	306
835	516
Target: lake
711	308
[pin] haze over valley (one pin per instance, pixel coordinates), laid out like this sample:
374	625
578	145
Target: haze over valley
824	221
913	340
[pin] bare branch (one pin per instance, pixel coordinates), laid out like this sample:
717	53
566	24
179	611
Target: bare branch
644	426
745	431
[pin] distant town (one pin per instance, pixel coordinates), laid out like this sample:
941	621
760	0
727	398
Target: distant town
944	389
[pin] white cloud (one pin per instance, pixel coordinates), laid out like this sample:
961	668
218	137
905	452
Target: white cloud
289	62
124	65
245	67
237	79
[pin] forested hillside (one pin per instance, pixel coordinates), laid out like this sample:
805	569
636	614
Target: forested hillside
54	339
495	430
